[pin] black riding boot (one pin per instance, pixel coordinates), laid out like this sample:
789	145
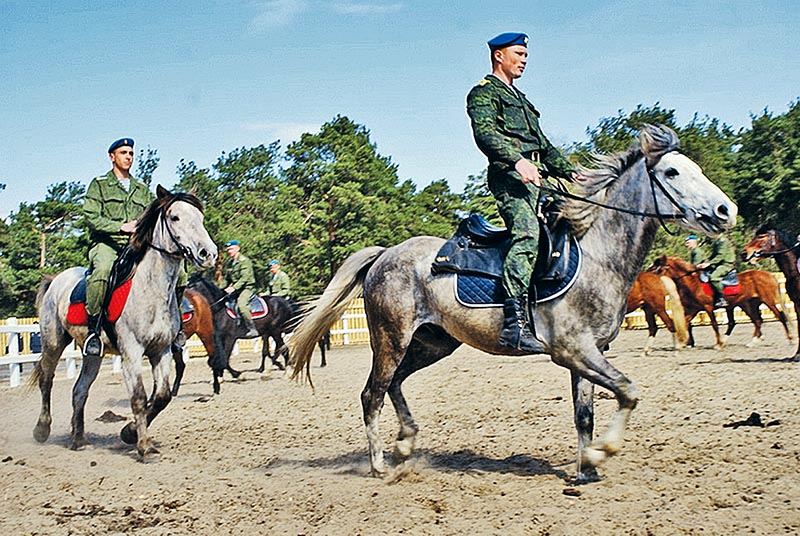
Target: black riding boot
719	299
516	330
93	345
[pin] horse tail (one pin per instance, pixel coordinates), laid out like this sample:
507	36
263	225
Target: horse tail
320	315
36	375
678	313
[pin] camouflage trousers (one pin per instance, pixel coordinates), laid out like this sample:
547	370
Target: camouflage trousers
243	302
516	203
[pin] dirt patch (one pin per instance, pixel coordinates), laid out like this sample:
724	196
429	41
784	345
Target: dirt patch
495	452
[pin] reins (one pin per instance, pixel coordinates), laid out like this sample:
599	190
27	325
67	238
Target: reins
654	181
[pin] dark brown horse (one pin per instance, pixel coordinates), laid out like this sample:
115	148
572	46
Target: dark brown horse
649	292
756	287
201	323
772	242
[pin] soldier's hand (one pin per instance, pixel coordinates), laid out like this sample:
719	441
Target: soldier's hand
528	172
128	227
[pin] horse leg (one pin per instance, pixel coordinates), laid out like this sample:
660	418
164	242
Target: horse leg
591	365
429	345
137	431
323	363
779	314
583	408
80	392
652	329
53	345
715	326
732	318
180	367
264	353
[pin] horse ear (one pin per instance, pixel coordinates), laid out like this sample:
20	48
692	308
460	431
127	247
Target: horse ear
162	192
193	190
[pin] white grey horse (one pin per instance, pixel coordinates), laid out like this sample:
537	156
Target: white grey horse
170	230
414	319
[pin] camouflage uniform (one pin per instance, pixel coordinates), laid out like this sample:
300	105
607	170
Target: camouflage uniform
239	275
106	207
506	128
280	285
721	260
697	255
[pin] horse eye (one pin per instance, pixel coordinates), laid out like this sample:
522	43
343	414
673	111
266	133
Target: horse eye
174	218
671	172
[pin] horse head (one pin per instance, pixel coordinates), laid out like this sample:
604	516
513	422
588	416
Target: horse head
768	241
679	183
173	224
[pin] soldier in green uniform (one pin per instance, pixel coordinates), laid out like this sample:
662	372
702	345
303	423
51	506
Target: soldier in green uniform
239	277
506	129
279	283
719	263
696	253
112	204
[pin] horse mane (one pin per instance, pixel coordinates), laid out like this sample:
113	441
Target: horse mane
146	224
593	183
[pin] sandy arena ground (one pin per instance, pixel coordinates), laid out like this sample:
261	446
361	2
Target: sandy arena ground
494	454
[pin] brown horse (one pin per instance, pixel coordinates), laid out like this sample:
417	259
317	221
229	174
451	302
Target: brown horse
649	291
756	287
200	323
772	242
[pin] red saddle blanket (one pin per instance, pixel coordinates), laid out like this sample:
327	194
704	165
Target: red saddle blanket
730	290
76	314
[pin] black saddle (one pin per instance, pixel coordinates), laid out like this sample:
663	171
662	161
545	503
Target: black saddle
477	250
731	279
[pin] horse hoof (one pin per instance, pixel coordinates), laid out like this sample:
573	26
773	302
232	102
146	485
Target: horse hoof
41	432
260	370
403	449
78	443
128	434
586	476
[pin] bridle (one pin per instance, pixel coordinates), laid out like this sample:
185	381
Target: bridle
654	182
183	252
759	253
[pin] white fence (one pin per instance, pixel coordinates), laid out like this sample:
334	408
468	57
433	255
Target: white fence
350	329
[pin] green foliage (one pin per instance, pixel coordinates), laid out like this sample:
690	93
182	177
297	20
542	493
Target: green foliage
49	231
146	165
766	170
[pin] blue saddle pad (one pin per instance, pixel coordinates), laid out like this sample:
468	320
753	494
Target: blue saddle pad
486	291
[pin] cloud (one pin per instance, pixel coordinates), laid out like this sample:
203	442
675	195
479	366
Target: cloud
277	13
364	8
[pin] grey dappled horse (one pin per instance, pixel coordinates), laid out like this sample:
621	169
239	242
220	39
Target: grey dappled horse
414	319
170	230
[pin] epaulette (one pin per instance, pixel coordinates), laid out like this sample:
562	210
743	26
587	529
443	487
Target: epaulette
482	82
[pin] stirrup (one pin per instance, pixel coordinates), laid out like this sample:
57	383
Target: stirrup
93	346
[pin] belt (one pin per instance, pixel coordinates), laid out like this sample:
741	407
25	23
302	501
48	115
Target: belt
533	155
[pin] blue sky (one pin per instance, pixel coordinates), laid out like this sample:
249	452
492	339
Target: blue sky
194	79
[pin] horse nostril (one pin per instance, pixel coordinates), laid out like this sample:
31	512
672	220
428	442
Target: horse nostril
203	253
722	212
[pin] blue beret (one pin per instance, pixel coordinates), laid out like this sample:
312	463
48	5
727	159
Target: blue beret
273	262
507	39
231	243
691	237
123	142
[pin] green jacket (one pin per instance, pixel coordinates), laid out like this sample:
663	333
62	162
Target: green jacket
280	285
239	273
722	255
108	205
506	128
697	255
